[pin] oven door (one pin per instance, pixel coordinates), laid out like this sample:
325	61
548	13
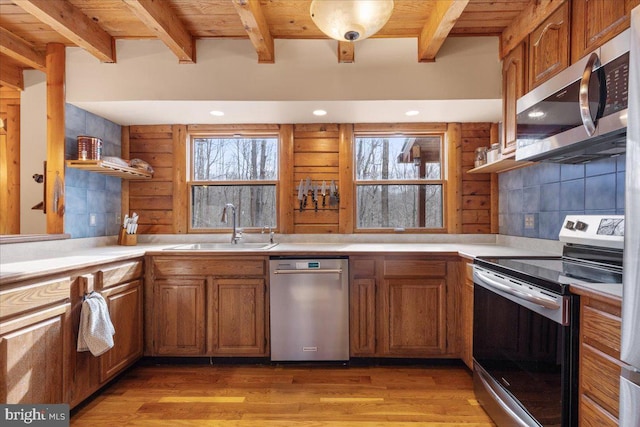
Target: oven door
524	352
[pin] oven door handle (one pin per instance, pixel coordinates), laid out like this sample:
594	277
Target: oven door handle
538	300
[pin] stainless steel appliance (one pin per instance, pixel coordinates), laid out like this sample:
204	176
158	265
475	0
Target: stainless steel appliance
580	114
525	332
309	300
630	351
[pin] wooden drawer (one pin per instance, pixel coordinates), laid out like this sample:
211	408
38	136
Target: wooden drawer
592	415
363	267
601	330
32	296
414	268
179	266
600	378
119	273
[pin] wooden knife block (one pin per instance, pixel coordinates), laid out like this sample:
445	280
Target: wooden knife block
125	239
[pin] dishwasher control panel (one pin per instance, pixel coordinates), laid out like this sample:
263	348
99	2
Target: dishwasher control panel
306	265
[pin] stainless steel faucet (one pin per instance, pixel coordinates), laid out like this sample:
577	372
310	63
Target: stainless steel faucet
271	232
236	234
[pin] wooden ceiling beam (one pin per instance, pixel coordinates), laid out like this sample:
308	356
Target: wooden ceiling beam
11	76
527	21
255	24
158	16
435	31
70	22
18	49
346	52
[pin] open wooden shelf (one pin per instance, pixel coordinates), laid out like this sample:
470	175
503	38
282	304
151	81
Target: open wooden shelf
498	166
108	168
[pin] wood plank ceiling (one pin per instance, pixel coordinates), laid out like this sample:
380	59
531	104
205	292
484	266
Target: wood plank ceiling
27	26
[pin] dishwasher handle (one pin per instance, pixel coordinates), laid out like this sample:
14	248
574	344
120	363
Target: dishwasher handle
310	271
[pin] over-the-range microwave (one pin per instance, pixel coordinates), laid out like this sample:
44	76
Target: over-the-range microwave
580	114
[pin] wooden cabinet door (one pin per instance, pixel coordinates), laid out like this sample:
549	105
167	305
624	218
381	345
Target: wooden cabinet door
413	318
33	352
237	317
362	309
513	87
125	309
549	47
595	22
466	315
178	318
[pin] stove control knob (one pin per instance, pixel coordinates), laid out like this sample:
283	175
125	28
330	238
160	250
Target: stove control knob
581	226
570	225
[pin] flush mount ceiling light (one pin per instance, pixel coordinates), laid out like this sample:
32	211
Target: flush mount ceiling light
350	20
217	113
319	113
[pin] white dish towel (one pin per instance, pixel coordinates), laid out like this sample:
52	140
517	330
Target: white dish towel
96	330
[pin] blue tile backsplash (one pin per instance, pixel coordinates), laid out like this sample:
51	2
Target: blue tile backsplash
90	193
547	192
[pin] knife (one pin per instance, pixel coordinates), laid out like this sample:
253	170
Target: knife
332	190
315	196
301	195
324	192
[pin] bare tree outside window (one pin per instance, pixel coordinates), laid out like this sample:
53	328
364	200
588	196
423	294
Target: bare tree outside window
399	182
242	171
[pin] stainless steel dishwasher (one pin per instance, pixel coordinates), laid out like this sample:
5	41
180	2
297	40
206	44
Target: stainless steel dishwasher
309	301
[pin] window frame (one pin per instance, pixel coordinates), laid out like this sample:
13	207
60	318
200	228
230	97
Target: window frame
443	181
191	182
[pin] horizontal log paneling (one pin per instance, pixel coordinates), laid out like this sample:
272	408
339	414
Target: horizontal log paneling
153	203
316	154
322	217
476	188
316	159
153	200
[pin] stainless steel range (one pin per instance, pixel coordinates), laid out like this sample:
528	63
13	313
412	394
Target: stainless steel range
525	337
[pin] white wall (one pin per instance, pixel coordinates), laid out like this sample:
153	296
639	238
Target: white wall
384	69
33	150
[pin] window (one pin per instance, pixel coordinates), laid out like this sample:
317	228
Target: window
242	171
399	182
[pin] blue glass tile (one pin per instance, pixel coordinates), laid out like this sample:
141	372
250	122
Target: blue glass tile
514	201
95	126
600	167
515	224
531	199
550	223
600	192
96	181
547	172
550	197
75	200
621	163
96	201
620	186
572	195
568	172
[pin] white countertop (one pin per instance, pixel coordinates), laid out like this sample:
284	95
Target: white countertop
614	289
52	262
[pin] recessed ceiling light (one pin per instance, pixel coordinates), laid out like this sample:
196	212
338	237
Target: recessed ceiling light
536	114
412	113
319	113
217	113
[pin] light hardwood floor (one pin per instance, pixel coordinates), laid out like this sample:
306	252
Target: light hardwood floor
282	396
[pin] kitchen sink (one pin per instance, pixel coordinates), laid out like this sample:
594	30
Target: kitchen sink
223	247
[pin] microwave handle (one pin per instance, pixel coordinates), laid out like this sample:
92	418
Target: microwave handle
585	109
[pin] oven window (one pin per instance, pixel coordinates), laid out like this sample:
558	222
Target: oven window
521	350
